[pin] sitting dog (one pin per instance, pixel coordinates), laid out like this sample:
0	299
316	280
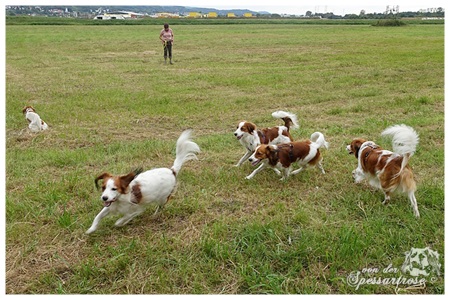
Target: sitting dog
35	123
305	153
386	170
130	194
250	137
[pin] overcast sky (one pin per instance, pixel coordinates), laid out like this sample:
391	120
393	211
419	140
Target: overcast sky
298	7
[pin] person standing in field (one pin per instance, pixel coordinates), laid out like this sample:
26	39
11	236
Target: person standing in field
166	37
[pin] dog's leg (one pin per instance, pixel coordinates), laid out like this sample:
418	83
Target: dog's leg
298	170
103	213
358	175
128	217
387	197
262	166
276	171
413	200
243	158
319	165
287	172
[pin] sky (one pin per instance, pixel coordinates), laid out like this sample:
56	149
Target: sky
298	7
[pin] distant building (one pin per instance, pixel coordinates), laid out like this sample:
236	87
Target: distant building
248	15
118	15
212	15
231	15
165	15
194	15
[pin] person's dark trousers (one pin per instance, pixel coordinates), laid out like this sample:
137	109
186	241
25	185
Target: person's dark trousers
168	51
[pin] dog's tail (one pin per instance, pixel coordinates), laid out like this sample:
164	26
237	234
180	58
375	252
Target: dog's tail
404	141
319	139
290	119
186	150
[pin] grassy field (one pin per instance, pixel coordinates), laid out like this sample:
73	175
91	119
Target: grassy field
112	105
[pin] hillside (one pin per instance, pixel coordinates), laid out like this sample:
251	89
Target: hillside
149	10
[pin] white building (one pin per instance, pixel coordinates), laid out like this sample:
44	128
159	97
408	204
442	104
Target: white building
118	15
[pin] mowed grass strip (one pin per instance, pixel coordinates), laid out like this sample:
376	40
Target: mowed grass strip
112	105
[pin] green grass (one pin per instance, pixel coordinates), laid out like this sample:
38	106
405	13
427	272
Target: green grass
112	105
35	20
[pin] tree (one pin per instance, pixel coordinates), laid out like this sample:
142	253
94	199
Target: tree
308	13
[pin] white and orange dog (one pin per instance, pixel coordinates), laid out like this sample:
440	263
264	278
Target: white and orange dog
387	170
283	156
35	123
250	137
130	194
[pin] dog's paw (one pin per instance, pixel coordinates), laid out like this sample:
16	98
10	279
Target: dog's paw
90	230
248	177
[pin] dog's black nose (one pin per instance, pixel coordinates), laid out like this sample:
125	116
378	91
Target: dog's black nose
235	134
105	198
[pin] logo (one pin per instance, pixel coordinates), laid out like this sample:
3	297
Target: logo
421	262
419	267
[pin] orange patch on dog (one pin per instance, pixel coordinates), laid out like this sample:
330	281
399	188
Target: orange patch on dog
136	194
267	135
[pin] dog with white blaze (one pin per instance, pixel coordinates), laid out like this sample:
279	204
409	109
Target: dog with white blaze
130	194
251	137
284	156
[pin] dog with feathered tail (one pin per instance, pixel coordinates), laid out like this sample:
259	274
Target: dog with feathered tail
388	170
284	156
130	194
251	137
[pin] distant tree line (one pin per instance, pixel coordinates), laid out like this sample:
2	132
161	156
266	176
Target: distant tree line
431	13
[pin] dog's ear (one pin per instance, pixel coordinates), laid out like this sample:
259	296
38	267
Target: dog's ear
272	154
101	177
251	127
138	171
356	146
126	179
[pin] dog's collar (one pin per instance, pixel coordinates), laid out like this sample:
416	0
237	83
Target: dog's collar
372	147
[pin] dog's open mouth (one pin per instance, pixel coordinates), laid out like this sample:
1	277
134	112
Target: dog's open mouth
108	203
255	162
239	137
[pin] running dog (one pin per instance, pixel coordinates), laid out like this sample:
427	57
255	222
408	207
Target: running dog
130	194
388	170
250	137
305	153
